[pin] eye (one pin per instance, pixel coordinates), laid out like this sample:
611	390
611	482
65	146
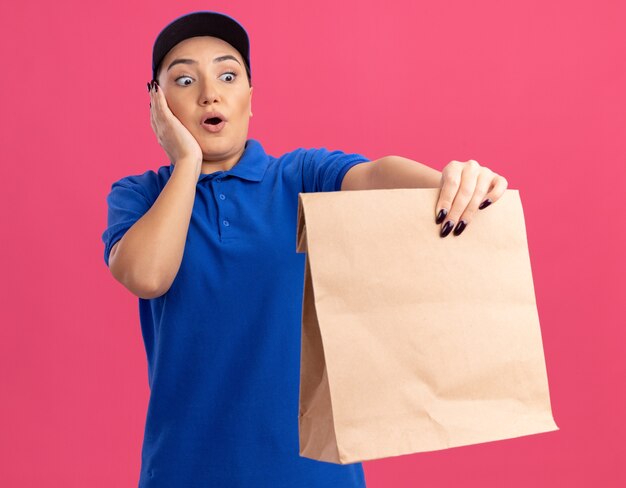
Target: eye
184	76
232	74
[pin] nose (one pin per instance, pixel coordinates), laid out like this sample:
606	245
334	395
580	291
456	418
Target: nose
209	91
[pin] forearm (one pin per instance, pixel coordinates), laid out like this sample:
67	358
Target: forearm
150	253
399	172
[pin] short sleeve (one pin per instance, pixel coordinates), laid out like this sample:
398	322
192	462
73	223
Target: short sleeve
323	170
127	203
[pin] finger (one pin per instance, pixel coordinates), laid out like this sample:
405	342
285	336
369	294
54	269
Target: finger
483	184
157	101
499	185
150	92
161	101
450	182
155	111
469	178
155	94
152	108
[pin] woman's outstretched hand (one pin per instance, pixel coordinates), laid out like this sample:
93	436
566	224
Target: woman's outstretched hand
466	188
172	135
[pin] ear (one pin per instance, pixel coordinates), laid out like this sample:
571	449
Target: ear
251	100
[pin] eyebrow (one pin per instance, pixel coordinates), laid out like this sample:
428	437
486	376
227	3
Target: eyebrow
193	61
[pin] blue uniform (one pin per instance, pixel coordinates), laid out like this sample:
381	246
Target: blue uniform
223	343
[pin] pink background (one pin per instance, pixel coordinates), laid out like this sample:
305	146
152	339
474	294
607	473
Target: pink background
532	89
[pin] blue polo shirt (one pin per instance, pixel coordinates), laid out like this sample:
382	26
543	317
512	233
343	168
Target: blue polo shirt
223	343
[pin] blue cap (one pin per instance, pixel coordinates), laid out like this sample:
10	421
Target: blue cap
203	23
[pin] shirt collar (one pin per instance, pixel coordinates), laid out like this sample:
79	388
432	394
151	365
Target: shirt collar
251	165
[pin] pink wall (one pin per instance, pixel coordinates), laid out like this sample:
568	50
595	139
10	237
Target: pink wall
532	89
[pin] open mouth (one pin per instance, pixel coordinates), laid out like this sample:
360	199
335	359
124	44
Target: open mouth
213	124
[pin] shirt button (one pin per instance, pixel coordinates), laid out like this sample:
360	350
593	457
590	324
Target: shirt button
226	223
222	196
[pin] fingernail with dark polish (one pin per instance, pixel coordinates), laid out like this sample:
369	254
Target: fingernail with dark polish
485	204
156	86
442	215
447	228
460	227
148	85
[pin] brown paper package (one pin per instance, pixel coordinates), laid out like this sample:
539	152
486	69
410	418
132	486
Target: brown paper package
412	342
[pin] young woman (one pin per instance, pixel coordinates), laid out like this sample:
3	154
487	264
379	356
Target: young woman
208	244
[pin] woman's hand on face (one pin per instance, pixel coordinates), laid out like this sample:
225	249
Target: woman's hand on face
466	188
172	135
